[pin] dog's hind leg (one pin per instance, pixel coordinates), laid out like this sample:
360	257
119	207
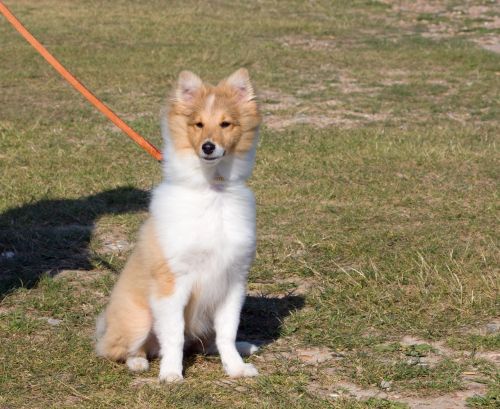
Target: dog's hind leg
125	334
138	361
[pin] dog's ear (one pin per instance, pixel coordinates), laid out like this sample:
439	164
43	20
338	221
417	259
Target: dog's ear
240	80
188	85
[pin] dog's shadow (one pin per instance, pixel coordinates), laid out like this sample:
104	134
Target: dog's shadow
262	317
48	236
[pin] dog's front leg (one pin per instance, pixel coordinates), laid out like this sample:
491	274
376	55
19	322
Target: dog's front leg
168	313
226	321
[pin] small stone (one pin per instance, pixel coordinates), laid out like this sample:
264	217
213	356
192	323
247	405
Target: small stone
492	328
53	321
385	385
423	364
7	254
117	246
314	355
413	360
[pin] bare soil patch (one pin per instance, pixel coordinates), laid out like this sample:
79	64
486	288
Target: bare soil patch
452	400
473	385
283	110
440	20
309	43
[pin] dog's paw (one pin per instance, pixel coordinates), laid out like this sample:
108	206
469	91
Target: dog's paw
171	377
246	348
137	364
241	371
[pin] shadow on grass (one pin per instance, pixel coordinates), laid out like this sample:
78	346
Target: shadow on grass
261	321
48	236
51	235
262	317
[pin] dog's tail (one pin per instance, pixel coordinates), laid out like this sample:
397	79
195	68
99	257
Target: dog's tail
106	346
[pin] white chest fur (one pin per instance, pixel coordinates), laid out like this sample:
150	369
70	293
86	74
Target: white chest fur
208	238
207	233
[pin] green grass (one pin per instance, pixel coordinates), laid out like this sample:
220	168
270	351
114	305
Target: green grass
376	181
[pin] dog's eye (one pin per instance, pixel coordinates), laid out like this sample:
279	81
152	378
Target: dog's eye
224	124
199	124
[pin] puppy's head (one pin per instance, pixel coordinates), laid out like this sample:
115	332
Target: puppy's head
213	121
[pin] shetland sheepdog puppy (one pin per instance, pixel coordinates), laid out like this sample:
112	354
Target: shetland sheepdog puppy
185	282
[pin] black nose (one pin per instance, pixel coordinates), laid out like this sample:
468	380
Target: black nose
208	148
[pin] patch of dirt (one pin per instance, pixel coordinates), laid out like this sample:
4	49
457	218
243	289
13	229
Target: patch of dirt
492	327
348	85
491	356
416	6
313	356
309	43
452	400
490	43
348	389
330	104
302	285
437	345
233	384
395	77
282	287
283	110
272	101
116	246
440	20
473	385
442	351
78	276
139	382
290	350
53	322
5	310
432	358
80	280
113	241
341	118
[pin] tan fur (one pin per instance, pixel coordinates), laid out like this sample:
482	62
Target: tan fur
212	105
128	319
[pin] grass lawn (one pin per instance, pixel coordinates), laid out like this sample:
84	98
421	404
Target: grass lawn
376	282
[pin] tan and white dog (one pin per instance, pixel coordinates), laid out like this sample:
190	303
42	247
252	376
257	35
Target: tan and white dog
185	281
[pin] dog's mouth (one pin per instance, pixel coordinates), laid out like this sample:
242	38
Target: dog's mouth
212	158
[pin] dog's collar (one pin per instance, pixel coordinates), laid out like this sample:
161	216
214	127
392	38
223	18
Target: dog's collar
218	183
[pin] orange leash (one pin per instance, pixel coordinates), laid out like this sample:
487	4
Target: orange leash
143	143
